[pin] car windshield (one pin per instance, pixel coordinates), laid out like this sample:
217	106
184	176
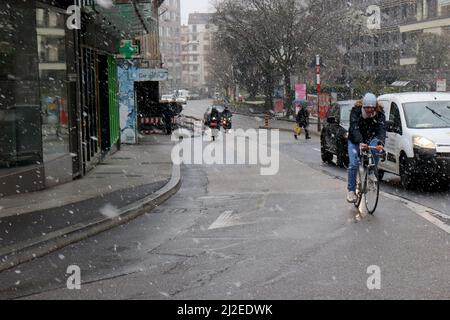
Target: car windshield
427	115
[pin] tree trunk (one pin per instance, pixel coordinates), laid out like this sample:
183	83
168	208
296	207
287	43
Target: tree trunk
268	92
253	91
288	94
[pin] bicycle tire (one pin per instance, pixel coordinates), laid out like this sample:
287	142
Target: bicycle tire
372	191
359	187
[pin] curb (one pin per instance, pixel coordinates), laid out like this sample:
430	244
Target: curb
27	251
312	132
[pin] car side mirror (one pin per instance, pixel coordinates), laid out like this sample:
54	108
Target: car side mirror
331	120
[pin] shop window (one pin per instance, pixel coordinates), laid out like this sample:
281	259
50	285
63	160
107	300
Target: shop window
20	125
51	40
432	8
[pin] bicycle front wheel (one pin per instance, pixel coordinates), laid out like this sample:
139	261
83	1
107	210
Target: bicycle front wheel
372	190
359	185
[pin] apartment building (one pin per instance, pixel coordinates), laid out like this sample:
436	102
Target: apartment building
389	53
197	39
170	44
432	17
378	50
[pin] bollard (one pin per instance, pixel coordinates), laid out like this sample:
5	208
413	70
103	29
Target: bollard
266	120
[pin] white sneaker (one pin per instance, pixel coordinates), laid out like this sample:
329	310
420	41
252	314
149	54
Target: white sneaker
372	176
351	197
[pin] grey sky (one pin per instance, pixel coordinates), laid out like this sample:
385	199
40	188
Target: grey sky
190	6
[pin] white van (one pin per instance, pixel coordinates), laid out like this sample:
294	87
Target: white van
183	94
418	137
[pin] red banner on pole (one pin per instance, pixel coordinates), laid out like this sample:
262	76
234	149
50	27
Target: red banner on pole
324	104
279	105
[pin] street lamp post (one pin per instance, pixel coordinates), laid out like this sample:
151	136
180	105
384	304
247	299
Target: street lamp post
318	90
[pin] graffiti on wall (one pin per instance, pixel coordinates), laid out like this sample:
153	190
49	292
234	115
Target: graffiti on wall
127	73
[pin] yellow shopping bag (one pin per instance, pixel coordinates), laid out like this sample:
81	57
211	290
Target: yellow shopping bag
297	130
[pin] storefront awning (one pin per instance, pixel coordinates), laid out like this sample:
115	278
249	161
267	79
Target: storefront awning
126	18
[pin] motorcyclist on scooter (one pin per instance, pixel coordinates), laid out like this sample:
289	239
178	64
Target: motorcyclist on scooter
226	114
215	114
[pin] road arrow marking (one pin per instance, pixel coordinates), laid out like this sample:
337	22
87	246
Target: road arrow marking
225	220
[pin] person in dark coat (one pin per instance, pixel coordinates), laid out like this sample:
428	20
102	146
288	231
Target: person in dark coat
168	118
302	120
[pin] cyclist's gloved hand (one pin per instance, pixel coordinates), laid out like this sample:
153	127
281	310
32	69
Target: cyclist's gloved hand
380	148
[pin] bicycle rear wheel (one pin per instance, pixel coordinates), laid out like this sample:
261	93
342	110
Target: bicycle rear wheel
372	190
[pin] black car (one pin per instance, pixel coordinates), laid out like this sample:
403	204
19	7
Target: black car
333	139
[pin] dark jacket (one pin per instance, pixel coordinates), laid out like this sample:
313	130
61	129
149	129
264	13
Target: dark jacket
167	113
215	114
227	114
364	130
303	117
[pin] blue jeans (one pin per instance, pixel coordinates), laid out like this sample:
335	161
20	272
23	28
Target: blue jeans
353	157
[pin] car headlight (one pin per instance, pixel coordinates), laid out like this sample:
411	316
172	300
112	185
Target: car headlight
424	143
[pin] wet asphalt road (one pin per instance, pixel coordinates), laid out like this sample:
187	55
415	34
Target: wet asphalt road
231	233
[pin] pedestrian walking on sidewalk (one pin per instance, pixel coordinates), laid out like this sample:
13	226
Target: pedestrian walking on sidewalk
168	119
302	120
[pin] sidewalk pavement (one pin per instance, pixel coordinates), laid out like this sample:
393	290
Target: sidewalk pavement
123	186
282	124
288	125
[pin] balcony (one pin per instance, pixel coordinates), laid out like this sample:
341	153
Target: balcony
395	3
426	24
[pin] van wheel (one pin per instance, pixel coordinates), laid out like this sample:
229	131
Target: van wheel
405	173
438	183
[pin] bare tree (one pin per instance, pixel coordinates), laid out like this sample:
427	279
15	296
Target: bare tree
433	52
279	35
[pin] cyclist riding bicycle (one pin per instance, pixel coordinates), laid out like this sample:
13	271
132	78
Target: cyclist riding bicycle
367	128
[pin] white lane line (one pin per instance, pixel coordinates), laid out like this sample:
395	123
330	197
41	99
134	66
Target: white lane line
435	217
315	149
225	220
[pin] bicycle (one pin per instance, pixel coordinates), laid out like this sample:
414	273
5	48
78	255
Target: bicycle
367	184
